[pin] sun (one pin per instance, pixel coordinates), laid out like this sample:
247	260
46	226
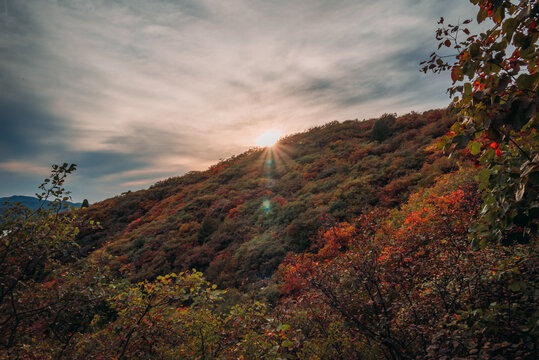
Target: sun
268	138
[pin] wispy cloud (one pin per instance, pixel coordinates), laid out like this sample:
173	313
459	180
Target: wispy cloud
162	87
139	183
24	168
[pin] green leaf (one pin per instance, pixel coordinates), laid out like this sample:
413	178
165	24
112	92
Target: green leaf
474	49
499	14
483	178
467	95
475	148
287	343
283	327
481	15
509	27
528	53
526	81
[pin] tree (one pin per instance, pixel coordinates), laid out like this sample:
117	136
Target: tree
85	204
43	302
381	129
495	85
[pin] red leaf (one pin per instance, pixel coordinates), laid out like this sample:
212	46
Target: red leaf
454	75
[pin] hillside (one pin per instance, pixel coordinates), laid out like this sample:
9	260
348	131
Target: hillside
348	241
351	240
237	220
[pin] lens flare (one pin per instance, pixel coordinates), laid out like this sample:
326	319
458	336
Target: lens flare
266	204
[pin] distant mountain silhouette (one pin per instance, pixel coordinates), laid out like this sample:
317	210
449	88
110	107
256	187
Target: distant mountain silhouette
28	201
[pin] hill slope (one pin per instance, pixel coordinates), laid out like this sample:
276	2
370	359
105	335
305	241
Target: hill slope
237	220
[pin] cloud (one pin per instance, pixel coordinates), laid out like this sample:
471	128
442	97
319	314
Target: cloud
143	182
132	90
25	168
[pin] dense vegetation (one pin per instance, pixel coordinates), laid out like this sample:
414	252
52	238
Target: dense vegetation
389	284
237	220
352	240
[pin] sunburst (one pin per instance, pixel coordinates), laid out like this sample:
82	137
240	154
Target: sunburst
268	138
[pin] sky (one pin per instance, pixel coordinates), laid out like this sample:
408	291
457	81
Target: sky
137	91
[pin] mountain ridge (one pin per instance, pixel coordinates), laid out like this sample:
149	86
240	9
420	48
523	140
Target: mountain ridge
30	202
237	220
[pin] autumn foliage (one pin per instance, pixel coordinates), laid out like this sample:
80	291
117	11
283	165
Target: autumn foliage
411	282
237	220
353	240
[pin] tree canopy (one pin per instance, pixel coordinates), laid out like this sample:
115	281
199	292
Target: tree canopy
495	86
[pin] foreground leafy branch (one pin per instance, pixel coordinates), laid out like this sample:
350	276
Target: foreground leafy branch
495	86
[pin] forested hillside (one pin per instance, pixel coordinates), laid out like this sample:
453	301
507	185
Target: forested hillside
411	237
342	242
237	220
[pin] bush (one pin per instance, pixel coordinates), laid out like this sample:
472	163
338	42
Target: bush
383	127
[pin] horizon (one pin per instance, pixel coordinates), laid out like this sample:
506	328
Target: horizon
137	92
